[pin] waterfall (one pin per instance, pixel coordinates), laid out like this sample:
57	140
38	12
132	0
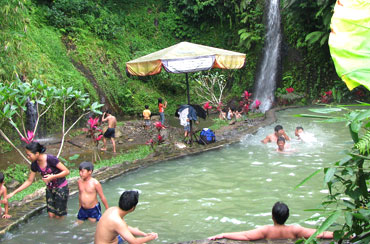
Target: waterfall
267	74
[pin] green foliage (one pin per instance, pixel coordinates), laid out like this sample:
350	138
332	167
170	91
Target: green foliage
17	172
218	123
348	181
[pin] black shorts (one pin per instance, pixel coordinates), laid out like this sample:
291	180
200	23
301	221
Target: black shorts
110	133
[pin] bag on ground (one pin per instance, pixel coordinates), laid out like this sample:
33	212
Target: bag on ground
207	136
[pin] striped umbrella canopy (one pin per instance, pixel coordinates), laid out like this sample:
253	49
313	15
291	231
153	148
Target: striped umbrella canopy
349	42
185	57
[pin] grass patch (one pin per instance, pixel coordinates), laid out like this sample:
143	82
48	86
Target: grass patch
218	123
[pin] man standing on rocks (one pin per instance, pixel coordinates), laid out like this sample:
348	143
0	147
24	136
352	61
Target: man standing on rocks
110	133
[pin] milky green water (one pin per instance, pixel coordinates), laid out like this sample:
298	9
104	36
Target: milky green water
231	189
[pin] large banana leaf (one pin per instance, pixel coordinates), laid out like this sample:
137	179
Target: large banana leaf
349	42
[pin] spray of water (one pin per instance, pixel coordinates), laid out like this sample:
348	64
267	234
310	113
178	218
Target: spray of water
267	74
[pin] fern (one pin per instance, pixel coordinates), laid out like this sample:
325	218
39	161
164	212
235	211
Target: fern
364	144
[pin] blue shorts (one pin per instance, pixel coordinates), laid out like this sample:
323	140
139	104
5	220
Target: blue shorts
121	240
95	213
187	128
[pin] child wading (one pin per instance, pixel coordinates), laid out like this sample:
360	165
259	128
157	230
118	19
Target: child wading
53	173
89	188
4	196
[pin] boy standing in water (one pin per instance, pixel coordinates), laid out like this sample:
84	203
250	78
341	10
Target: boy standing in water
280	213
4	201
110	133
112	228
89	188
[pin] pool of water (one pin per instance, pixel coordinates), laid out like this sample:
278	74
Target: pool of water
231	189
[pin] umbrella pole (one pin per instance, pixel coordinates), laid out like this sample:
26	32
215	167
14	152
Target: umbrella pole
188	94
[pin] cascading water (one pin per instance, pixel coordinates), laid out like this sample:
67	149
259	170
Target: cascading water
268	70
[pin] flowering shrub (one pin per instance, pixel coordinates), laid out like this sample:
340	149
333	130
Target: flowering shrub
207	107
93	131
29	138
327	97
287	96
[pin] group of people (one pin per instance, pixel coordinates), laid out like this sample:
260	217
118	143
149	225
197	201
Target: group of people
111	227
280	137
230	114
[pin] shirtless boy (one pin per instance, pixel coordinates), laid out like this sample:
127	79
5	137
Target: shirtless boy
279	131
280	213
298	131
4	196
110	133
89	188
112	228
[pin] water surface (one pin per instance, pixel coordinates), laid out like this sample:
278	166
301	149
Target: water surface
231	189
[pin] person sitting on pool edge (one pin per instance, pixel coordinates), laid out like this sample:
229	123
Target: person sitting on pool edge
279	131
280	213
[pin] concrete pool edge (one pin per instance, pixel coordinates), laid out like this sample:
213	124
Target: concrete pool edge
23	213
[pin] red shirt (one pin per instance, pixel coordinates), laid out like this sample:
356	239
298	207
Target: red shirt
160	107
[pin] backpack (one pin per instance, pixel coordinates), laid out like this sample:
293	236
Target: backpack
207	136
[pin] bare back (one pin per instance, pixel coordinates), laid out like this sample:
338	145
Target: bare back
109	223
112	121
87	193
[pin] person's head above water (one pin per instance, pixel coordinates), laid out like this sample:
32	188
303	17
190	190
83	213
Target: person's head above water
280	213
128	200
279	131
298	130
281	143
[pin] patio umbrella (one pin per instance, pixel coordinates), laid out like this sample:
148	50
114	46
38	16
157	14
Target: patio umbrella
349	42
185	57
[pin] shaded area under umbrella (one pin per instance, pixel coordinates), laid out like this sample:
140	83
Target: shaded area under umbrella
185	57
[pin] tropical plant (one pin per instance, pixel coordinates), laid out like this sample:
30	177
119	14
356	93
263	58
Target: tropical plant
95	134
348	179
13	107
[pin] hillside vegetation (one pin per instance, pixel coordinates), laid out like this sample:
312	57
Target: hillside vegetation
86	43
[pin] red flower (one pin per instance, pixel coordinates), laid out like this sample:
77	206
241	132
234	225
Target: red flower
247	95
290	89
29	138
93	122
159	125
257	103
207	106
219	107
160	138
99	138
329	93
150	142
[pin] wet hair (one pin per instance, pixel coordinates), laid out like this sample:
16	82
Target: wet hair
86	165
299	128
159	100
278	127
281	138
280	212
35	147
1	177
108	111
146	106
128	200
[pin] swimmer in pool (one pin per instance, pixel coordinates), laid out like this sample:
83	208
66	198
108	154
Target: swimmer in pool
279	131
